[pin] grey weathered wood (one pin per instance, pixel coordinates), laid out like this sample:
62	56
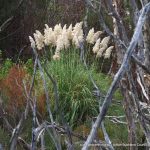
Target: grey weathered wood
55	136
118	76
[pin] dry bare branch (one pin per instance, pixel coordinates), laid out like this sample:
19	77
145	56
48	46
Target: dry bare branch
118	76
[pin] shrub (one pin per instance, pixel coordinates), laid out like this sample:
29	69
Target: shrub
12	87
4	69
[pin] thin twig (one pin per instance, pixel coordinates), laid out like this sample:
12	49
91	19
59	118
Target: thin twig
33	143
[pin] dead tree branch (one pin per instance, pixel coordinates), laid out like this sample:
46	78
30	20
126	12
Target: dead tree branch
55	136
34	125
118	76
60	113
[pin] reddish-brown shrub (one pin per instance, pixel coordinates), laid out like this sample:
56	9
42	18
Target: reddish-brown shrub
13	89
41	104
12	86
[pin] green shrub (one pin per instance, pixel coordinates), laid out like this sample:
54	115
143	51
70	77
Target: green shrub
5	68
29	66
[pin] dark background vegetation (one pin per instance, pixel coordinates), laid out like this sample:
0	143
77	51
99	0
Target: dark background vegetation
31	15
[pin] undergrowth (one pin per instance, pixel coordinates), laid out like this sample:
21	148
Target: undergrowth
76	99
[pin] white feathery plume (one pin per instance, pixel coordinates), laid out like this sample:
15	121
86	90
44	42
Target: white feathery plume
96	35
77	30
56	57
39	39
100	52
59	44
96	46
78	26
48	35
77	34
105	41
108	52
57	30
76	41
69	32
65	40
32	42
90	36
64	27
103	46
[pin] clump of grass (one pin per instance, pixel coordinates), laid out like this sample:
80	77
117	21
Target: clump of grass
75	88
